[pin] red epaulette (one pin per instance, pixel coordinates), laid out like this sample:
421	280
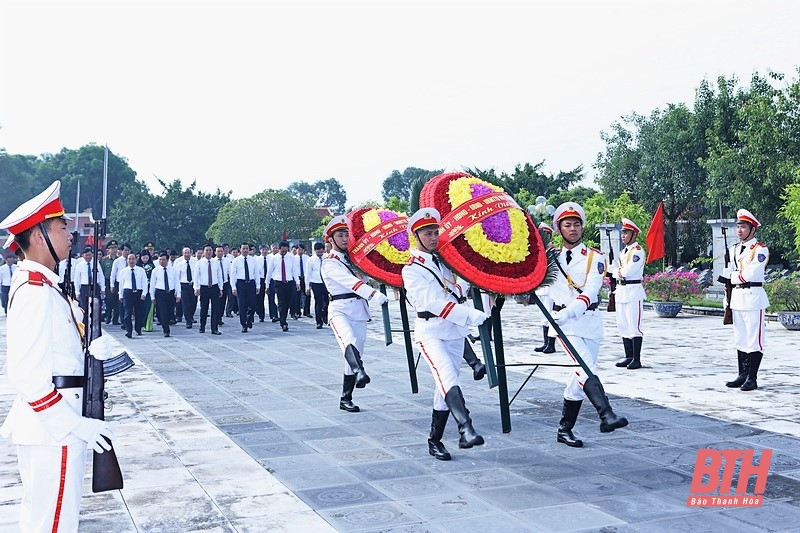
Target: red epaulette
761	244
38	279
638	247
418	258
596	250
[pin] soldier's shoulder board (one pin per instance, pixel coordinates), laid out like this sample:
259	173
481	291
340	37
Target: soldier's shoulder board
37	279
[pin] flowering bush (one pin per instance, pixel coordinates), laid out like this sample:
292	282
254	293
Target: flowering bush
671	286
784	294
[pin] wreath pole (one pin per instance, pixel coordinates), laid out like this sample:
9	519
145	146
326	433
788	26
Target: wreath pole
502	382
412	367
485	336
387	326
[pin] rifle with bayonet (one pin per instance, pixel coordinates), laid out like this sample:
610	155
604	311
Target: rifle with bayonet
612	297
727	317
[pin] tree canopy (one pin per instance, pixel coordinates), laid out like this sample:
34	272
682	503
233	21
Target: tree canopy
327	192
398	184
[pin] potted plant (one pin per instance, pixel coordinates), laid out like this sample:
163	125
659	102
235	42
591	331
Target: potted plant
668	291
784	300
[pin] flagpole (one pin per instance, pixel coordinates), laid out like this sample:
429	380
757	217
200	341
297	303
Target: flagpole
105	181
77	201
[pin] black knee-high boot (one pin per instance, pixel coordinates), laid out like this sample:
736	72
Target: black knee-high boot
628	343
543	347
754	361
455	401
569	415
346	401
637	354
435	446
743	364
353	359
478	368
597	395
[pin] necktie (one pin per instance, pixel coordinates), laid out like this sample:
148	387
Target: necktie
265	266
188	272
89	271
569	256
221	273
246	270
133	279
209	272
283	268
741	251
435	260
302	274
166	281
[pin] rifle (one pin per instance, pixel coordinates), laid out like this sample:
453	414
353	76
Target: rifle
612	298
727	318
106	473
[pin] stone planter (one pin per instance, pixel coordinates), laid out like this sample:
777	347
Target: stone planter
667	309
789	319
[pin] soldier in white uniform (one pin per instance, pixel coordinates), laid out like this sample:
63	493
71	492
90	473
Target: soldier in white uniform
575	299
46	369
629	272
749	259
439	297
348	311
543	293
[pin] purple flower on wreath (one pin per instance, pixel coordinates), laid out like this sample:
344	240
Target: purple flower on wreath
398	240
496	227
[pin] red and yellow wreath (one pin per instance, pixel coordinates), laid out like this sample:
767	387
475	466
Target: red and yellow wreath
484	235
379	244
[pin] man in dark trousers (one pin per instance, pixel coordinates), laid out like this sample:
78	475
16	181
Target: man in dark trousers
283	273
184	267
317	287
244	274
163	281
208	287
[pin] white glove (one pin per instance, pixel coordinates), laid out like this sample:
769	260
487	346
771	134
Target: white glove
380	298
94	432
476	318
560	316
100	348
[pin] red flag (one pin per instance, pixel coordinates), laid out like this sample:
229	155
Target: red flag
655	236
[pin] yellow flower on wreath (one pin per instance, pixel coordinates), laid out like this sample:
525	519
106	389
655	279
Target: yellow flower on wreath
371	219
460	191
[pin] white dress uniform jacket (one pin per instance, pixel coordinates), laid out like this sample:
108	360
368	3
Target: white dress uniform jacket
341	278
579	290
749	265
630	266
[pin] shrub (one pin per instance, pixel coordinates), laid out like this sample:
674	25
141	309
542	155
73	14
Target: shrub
784	294
671	286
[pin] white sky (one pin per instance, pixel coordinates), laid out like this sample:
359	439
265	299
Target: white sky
250	95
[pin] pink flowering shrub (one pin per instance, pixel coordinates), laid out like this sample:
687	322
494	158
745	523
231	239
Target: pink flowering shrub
671	286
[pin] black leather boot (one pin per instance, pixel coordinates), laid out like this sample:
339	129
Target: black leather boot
478	368
435	446
569	415
551	345
754	361
346	401
628	343
353	359
543	347
637	354
455	401
744	361
597	395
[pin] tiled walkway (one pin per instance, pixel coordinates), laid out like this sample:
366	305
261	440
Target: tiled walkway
242	432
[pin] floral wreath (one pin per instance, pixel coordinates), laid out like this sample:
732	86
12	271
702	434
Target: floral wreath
484	235
379	244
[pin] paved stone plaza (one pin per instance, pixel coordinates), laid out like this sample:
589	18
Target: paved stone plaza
242	432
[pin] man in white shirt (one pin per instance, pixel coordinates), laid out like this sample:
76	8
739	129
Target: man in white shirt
283	273
184	267
316	286
299	297
119	263
132	284
244	273
224	267
82	280
262	268
208	285
6	272
163	281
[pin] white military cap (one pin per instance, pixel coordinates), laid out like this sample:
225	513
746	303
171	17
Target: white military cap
11	244
337	223
43	206
427	216
631	225
743	215
544	226
568	210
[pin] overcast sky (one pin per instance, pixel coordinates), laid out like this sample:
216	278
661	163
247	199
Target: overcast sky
252	95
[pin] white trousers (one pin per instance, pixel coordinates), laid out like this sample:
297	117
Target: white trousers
52	482
349	332
629	319
588	349
749	328
444	359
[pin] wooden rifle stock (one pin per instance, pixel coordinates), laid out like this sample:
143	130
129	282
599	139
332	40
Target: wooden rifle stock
727	317
106	473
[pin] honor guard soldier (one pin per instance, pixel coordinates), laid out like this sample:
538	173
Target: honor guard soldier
630	294
575	295
46	369
543	293
348	311
749	301
440	329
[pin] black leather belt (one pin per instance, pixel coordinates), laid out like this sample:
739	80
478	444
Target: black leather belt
68	382
592	307
426	315
629	281
344	296
748	284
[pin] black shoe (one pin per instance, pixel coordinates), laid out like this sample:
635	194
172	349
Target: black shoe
435	446
128	335
189	325
319	326
202	329
215	332
173	322
121	326
220	323
276	320
569	415
285	328
309	316
244	329
139	333
166	334
115	323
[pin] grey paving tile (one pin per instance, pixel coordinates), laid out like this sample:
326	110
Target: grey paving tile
381	516
316	478
387	470
568	517
341	496
524	496
435	507
489	523
697	521
267	451
482	479
592	487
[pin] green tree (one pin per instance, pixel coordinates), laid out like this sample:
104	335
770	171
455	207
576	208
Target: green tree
397	205
530	178
579	194
176	218
327	192
398	184
266	217
16	181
